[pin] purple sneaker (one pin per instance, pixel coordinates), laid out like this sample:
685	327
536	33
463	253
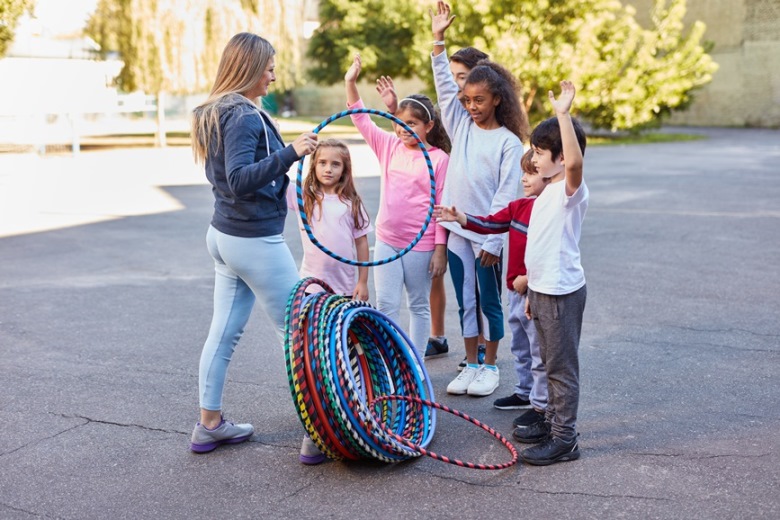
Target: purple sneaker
205	440
310	453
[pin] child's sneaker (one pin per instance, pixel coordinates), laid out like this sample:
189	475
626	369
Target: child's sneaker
481	349
460	384
310	453
511	402
526	419
534	433
205	440
485	383
551	451
437	347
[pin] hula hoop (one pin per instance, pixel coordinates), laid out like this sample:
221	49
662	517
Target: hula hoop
444	458
299	190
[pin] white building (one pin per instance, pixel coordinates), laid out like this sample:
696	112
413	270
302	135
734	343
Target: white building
49	82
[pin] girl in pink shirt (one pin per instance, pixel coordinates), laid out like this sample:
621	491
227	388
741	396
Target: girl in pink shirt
337	218
404	201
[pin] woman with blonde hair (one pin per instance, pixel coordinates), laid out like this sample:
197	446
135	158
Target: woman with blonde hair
246	162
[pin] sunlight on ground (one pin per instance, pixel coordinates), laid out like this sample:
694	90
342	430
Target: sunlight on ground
41	193
53	192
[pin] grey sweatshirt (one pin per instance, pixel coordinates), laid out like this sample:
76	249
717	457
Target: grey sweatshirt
484	172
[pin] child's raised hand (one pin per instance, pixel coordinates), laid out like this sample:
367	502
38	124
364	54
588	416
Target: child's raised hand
440	20
354	70
565	98
386	89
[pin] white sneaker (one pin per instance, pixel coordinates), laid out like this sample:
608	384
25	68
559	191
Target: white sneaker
485	382
460	384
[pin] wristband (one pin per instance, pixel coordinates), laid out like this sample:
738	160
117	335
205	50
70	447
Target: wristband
438	42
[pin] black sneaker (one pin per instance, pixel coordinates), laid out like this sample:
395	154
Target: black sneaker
526	419
533	433
437	347
551	451
481	349
512	402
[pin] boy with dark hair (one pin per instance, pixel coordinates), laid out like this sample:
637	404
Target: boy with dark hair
462	62
556	280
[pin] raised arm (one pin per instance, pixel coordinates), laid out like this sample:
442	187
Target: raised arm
350	80
440	21
572	155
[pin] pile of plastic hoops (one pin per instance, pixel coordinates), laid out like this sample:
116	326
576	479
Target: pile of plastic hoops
341	354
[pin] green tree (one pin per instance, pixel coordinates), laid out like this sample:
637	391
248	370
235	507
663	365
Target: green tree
10	11
627	76
174	46
382	31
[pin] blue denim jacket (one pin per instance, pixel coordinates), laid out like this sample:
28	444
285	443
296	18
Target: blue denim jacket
248	174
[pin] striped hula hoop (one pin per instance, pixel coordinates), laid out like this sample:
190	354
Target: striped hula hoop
299	190
382	399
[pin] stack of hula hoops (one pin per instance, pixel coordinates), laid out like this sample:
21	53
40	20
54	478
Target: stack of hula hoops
341	354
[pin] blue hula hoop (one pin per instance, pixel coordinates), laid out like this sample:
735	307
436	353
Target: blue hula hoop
299	190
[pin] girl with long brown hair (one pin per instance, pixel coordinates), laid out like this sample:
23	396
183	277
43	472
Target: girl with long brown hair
337	218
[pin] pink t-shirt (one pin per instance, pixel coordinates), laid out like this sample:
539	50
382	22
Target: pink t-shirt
405	187
335	229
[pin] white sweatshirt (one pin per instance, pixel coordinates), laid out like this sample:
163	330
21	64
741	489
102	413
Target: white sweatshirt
484	172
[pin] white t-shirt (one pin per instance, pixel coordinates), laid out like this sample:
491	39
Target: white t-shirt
335	229
552	255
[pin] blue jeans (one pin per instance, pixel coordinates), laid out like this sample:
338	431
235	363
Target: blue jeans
531	375
259	268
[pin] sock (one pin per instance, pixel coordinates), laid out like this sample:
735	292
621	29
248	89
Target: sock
472	365
494	368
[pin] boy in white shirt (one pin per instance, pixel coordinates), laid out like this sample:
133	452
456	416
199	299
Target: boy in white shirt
556	280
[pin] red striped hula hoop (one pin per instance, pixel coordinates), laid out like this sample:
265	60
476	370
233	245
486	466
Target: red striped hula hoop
456	413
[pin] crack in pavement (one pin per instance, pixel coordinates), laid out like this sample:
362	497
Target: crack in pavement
37	441
700	457
123	425
20	510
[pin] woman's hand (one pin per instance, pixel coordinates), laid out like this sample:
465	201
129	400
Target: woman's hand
305	144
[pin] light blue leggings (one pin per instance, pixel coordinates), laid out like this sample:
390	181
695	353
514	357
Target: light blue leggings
409	272
246	268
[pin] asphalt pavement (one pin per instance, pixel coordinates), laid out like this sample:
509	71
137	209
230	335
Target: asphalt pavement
105	301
